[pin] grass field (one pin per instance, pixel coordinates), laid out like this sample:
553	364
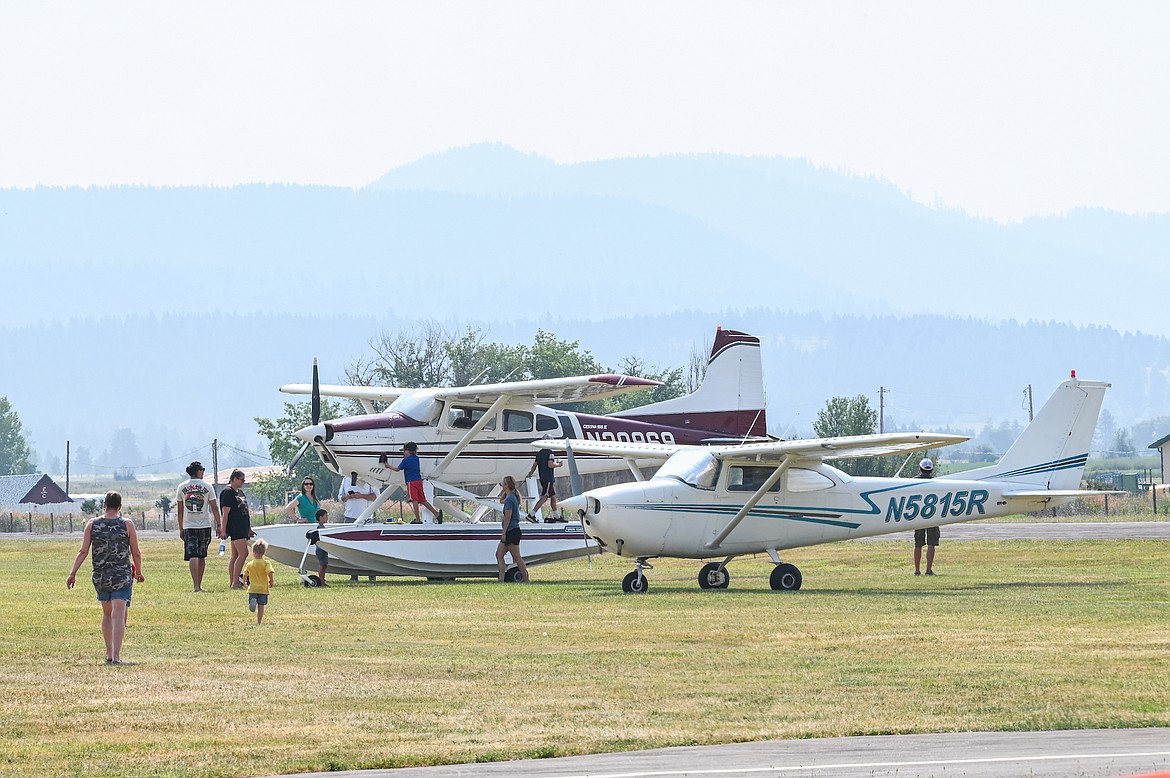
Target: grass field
1010	635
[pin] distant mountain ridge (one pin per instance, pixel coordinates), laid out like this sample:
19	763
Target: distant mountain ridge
119	296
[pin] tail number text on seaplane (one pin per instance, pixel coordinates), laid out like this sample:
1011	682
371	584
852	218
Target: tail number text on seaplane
627	437
921	506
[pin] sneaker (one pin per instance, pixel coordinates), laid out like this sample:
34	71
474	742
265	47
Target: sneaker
531	518
930	572
251	605
917	573
417	521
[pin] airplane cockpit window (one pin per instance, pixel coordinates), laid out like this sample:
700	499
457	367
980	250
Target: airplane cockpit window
749	478
517	421
695	468
546	423
802	480
463	418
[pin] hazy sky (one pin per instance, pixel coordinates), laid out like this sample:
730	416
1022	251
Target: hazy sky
1005	109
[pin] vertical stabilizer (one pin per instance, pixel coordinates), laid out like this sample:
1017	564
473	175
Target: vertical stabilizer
730	401
1051	451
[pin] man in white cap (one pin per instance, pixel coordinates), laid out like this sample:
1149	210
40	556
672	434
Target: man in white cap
925	537
545	462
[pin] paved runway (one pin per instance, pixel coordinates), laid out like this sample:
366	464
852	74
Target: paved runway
1064	754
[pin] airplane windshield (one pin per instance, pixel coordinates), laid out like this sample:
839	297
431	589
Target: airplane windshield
695	468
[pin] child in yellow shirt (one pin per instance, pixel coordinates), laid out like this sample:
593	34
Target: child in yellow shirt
260	578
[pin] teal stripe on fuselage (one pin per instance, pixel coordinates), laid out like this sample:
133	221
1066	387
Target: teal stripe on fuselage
769	512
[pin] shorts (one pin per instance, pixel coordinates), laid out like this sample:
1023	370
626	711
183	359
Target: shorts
239	529
512	537
415	490
926	537
195	543
260	599
322	557
548	488
118	594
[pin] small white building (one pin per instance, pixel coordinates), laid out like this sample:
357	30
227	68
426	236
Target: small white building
35	493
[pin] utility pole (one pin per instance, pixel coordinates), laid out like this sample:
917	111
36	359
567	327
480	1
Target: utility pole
215	461
1028	395
67	468
881	409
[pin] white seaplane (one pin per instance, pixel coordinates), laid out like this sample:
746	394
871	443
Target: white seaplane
724	502
477	434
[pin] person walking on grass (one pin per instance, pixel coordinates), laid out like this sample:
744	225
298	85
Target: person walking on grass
117	563
510	531
261	578
236	525
197	508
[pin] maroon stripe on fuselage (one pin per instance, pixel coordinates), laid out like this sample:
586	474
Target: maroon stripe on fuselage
375	421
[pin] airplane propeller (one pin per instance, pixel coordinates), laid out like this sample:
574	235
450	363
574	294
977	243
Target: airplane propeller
315	411
574	475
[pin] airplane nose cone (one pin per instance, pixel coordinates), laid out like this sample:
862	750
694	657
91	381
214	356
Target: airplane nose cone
574	503
309	434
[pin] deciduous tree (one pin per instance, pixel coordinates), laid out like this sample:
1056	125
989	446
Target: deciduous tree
15	455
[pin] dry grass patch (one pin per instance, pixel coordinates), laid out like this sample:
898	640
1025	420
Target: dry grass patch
1010	635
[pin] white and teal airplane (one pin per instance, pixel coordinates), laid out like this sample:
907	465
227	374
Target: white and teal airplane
721	502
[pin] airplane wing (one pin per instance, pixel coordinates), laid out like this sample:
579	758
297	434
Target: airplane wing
544	391
384	393
549	391
613	448
772	451
848	447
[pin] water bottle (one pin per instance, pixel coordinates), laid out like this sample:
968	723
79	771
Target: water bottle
222	547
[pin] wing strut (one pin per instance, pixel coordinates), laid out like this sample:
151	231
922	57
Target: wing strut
468	437
751	503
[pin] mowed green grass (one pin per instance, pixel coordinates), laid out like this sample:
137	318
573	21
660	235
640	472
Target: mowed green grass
1009	636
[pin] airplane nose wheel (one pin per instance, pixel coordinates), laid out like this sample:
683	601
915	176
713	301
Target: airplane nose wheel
714	576
513	575
785	577
635	583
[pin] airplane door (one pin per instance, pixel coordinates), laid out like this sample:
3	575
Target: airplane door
478	459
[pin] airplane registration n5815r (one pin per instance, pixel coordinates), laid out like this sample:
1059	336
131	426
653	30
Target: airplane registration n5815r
707	503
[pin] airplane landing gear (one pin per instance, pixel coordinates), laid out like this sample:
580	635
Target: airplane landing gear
785	577
714	576
635	582
513	575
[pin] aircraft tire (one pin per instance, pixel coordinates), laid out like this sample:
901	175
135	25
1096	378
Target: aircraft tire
785	577
512	575
713	576
313	582
635	583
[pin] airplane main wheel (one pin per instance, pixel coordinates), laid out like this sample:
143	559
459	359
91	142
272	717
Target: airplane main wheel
713	576
785	577
635	583
513	575
313	581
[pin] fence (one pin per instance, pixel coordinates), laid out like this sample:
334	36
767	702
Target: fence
50	524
